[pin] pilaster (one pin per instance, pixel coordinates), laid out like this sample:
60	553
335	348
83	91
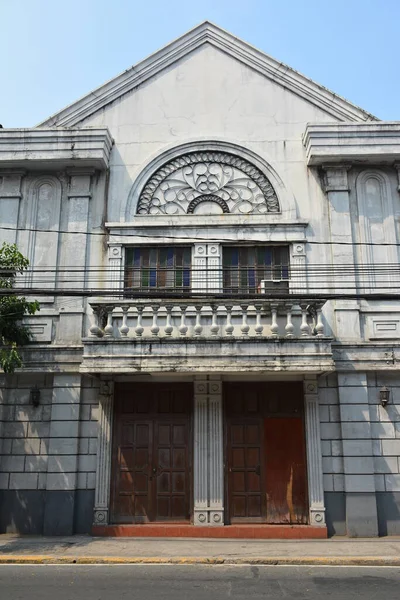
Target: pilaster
342	253
74	252
63	450
10	196
298	277
208	451
206	268
314	455
358	462
115	267
104	447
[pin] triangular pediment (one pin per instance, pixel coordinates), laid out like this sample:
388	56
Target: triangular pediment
207	33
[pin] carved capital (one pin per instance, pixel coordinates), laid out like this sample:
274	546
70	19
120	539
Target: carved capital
335	178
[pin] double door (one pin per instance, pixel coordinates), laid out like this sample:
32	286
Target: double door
151	475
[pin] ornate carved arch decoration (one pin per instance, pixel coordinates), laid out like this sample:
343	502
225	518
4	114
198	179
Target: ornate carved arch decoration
185	182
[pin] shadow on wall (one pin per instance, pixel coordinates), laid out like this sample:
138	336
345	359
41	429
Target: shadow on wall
26	507
388	505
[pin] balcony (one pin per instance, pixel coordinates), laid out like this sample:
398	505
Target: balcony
164	334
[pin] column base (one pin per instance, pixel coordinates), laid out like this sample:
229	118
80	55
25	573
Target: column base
317	517
100	516
208	517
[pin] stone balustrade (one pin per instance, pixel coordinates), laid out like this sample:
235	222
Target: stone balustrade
202	318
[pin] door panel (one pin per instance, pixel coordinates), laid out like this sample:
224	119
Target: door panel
171	476
286	471
246	496
265	450
151	457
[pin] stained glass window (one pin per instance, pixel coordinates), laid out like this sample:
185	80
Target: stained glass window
158	268
246	267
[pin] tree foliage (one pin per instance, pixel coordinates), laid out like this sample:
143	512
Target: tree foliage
13	333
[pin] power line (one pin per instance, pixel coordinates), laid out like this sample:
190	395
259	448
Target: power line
180	237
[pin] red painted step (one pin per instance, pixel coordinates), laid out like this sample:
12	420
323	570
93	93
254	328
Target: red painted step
261	532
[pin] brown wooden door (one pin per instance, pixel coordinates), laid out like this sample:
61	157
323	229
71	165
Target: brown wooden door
151	453
286	480
265	450
246	485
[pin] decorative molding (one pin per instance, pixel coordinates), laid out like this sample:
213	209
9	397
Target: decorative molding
287	202
104	449
55	148
208	33
184	183
371	143
374	196
314	455
40	329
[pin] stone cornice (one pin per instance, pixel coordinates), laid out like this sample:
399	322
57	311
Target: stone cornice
206	32
363	143
55	148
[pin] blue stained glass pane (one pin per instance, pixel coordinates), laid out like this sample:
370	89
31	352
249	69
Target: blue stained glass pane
252	277
268	257
186	278
136	257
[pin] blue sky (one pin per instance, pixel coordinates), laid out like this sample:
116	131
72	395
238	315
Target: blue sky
53	52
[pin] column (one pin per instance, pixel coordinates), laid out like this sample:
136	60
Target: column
337	190
10	196
359	480
63	452
104	449
74	253
208	451
314	455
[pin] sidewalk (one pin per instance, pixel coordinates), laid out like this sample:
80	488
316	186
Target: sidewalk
87	550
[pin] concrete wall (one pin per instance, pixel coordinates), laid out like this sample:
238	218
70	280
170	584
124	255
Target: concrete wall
361	448
48	454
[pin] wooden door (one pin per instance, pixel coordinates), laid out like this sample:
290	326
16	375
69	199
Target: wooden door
265	449
286	480
247	494
151	453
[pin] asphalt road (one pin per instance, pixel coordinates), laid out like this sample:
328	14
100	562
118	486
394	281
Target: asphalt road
170	582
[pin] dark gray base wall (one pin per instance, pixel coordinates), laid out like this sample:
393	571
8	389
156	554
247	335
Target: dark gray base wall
335	513
363	515
39	512
388	512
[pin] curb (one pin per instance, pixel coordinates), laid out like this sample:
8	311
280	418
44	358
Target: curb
135	560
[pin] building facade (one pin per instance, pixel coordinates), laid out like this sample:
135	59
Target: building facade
213	239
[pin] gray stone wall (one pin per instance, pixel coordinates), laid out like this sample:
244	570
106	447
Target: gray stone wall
361	447
48	453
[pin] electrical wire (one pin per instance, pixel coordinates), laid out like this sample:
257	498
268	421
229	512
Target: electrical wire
180	237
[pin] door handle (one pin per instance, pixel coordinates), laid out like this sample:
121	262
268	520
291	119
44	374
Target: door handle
258	470
154	470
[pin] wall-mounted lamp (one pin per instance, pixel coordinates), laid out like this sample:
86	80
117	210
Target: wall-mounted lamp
35	396
384	394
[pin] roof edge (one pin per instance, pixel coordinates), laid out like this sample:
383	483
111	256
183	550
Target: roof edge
206	32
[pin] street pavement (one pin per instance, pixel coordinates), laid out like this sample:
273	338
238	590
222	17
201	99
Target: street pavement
372	551
197	582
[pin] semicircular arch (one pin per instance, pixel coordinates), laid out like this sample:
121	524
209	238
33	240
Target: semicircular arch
172	180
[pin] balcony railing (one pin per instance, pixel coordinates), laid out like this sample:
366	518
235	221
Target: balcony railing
166	318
